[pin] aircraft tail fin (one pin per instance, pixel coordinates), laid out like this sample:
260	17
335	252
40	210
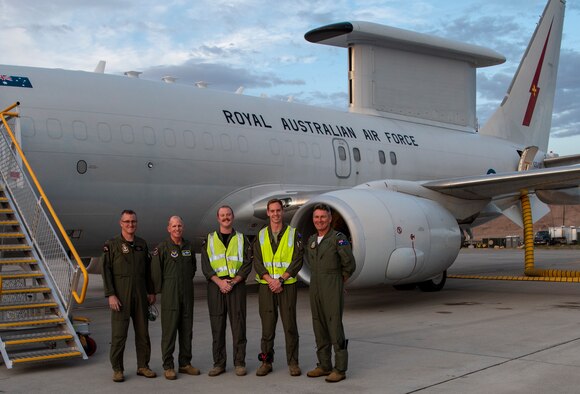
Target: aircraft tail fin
525	114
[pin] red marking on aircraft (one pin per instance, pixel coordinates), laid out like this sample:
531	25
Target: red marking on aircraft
535	89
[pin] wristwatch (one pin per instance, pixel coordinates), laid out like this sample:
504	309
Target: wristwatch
281	280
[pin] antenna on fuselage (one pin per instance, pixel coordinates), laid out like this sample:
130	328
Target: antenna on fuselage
168	79
100	69
133	74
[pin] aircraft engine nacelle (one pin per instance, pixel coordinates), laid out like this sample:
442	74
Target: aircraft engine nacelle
396	238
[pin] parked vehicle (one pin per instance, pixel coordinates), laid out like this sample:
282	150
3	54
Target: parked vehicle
543	238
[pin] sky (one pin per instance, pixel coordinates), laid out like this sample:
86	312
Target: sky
260	44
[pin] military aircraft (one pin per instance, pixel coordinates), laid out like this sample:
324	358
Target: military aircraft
406	170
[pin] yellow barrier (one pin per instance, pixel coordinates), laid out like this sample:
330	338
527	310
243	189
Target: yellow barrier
6	113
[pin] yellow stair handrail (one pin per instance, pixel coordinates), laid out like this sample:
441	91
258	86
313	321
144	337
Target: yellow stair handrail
6	112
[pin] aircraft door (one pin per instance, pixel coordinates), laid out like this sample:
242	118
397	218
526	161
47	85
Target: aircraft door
341	158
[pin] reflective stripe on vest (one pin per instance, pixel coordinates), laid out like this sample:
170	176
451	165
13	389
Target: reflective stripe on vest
225	262
276	264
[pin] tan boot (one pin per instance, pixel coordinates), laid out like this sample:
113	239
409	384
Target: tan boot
317	372
170	374
190	370
118	376
215	371
264	369
294	370
146	372
335	376
241	370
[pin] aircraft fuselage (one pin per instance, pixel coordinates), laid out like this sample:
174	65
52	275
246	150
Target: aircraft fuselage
109	143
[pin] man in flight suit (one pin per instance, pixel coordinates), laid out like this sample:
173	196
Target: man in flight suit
329	255
127	283
173	268
277	259
225	261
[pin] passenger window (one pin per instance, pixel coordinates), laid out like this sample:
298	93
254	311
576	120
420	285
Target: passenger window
189	139
302	150
27	127
208	141
149	135
356	154
382	157
341	153
243	144
54	128
169	137
127	134
316	151
226	142
80	130
104	132
393	158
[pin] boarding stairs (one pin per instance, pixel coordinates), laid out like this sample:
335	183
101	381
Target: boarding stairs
38	280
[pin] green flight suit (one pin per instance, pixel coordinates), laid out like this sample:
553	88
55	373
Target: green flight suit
173	268
330	261
269	303
232	304
127	275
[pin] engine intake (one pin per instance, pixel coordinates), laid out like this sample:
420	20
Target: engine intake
396	238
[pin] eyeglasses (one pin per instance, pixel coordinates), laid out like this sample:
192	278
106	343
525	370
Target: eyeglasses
129	221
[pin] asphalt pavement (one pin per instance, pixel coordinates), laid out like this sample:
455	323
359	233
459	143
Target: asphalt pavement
474	336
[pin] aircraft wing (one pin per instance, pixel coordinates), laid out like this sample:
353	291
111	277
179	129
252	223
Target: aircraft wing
493	185
562	161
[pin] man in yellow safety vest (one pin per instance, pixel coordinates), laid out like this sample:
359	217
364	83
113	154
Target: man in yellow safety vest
278	256
226	263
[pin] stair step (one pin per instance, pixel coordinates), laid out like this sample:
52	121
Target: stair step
11	235
6	210
40	337
25	290
3	199
9	223
14	248
32	305
45	355
22	275
31	323
18	261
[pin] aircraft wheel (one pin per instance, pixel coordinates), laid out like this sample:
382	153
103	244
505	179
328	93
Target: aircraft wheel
405	287
434	284
89	344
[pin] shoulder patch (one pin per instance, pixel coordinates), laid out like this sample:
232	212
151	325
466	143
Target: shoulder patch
106	248
155	252
343	242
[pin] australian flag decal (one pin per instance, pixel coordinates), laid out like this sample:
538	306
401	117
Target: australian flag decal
17	82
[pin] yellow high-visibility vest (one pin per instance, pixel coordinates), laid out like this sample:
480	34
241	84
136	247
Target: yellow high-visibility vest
276	264
225	262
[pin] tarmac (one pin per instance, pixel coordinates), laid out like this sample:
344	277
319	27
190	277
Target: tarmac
474	336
